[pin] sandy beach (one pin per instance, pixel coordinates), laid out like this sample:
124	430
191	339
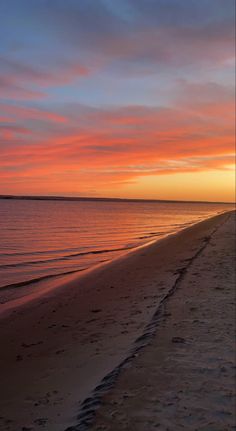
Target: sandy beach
144	342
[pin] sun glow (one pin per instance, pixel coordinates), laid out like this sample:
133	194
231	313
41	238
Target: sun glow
143	106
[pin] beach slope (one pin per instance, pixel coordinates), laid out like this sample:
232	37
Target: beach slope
176	296
185	378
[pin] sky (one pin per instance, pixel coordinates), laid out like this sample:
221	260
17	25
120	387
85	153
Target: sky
117	98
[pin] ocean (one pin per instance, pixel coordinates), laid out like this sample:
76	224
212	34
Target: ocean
41	239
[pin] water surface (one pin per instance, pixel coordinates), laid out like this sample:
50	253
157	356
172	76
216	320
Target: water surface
41	238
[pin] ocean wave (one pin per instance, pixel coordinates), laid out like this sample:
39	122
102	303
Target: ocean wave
38	279
62	258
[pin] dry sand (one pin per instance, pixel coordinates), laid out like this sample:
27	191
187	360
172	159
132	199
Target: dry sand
57	348
185	378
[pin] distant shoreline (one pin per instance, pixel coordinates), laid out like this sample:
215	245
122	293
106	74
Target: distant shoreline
105	199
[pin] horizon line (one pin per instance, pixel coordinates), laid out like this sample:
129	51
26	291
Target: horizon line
113	199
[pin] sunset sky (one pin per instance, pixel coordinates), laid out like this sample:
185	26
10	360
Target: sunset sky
123	98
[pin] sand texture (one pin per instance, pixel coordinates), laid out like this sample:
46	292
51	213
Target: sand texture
61	352
185	378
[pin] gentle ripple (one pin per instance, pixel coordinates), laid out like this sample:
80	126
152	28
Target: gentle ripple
44	238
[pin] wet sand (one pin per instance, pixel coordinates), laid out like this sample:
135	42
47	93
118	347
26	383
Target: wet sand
57	348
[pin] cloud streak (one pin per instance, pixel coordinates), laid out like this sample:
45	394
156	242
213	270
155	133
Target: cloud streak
110	92
124	143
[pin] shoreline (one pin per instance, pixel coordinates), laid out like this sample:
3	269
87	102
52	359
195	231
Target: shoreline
58	348
46	285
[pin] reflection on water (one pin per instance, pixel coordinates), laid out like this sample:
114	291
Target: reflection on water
44	238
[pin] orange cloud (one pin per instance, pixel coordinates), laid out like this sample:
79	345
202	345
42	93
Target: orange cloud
115	146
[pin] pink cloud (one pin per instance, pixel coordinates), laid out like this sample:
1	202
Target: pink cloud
26	113
19	81
10	89
122	144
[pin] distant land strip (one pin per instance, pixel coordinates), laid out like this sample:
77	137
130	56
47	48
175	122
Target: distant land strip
105	199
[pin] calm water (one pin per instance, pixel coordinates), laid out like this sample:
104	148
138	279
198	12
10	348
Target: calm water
44	238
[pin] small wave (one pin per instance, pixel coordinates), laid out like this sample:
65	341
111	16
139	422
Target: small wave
36	253
38	279
58	259
151	234
62	258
